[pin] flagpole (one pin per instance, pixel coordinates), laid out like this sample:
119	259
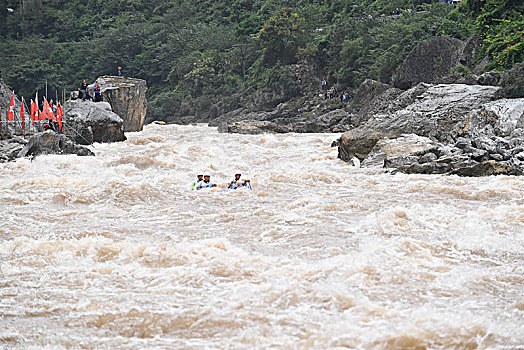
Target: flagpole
23	126
46	89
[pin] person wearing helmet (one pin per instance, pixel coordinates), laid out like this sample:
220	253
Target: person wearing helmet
196	184
237	182
206	183
119	71
96	88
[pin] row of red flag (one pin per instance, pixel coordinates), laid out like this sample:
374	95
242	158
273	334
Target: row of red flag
36	115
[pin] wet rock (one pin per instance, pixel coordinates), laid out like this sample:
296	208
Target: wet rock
257	127
403	145
429	60
487	168
86	122
489	78
127	97
50	142
239	115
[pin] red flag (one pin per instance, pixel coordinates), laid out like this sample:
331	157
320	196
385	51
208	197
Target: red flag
59	115
22	114
48	111
34	111
11	110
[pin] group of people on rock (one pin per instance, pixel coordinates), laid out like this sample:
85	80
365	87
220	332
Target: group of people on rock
333	92
204	181
83	92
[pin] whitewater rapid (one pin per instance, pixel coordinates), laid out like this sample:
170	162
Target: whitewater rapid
115	252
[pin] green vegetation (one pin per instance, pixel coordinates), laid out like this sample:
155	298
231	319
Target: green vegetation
197	53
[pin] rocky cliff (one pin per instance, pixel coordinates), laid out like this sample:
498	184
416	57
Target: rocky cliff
127	97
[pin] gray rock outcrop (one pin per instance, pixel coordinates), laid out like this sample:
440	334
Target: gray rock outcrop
50	142
254	127
389	148
455	129
86	122
127	97
435	58
433	114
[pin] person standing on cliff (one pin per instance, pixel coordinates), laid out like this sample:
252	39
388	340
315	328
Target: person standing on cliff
119	71
83	87
324	85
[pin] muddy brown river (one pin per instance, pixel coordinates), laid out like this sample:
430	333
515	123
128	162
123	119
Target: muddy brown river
116	252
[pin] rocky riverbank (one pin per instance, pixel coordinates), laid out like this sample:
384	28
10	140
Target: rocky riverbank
431	120
84	122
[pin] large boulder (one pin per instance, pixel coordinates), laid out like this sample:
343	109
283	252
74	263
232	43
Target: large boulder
404	145
429	60
433	114
86	122
127	97
50	142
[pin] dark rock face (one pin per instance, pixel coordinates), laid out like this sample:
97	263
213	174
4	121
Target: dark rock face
86	122
429	60
127	97
487	168
469	52
367	91
50	142
512	82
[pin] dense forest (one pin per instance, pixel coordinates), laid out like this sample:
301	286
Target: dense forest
194	53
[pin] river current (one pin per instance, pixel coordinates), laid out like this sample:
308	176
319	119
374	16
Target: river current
116	252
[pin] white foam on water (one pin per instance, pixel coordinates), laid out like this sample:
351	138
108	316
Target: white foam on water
115	251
